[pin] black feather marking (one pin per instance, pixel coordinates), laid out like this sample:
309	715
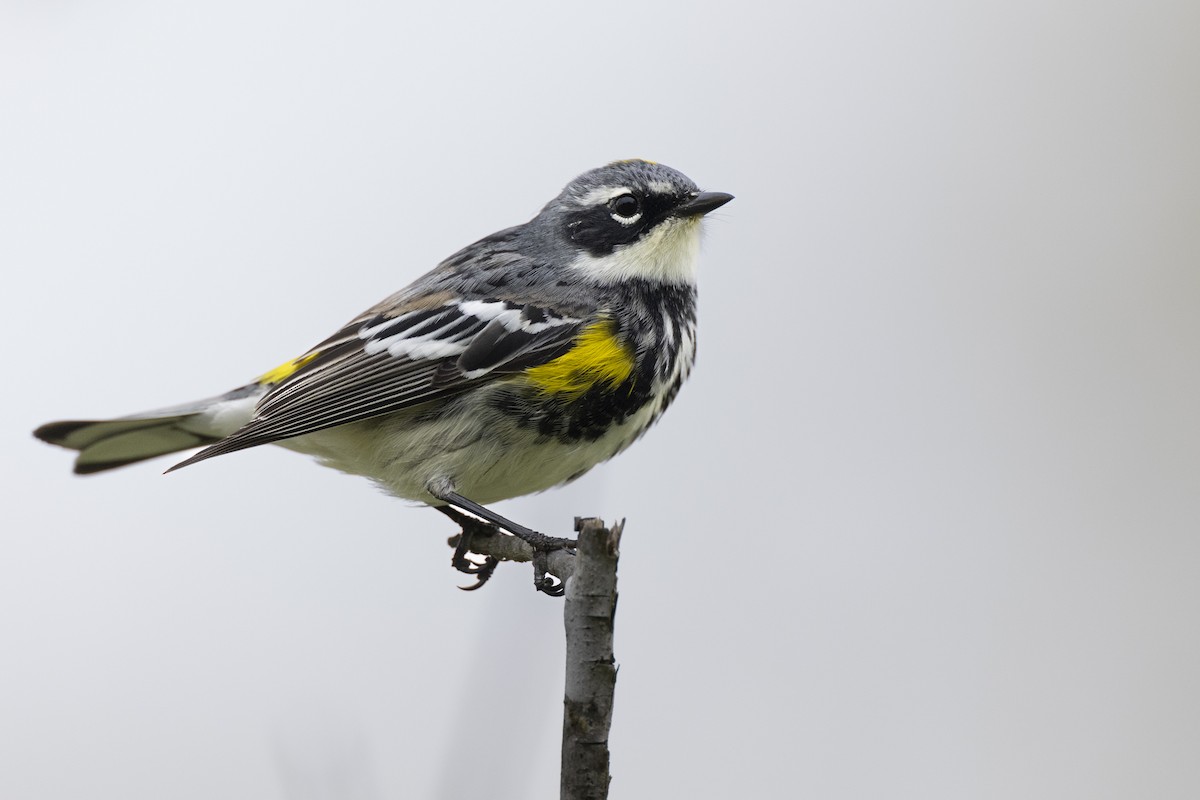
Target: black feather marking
499	347
462	327
405	323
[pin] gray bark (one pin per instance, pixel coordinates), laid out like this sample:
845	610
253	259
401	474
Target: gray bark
590	575
591	605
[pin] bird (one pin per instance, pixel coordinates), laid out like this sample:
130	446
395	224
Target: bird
515	365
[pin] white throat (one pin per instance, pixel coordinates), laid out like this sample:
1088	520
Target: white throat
666	254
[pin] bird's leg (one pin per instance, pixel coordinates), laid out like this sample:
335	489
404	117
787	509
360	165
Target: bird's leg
540	542
471	528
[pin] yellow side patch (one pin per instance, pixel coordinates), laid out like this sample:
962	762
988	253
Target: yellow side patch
286	369
598	356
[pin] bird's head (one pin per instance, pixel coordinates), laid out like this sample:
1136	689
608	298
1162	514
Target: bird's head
632	220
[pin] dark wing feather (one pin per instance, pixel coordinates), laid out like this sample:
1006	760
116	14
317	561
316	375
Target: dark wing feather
380	364
508	345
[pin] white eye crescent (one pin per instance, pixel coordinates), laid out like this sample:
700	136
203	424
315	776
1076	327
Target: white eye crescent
626	209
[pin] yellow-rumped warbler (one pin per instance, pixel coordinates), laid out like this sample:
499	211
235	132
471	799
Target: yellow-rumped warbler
517	364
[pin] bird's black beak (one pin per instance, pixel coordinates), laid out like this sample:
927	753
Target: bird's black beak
702	203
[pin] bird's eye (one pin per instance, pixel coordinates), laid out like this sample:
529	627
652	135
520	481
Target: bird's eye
625	206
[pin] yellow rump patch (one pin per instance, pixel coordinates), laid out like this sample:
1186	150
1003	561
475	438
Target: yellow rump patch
598	356
286	369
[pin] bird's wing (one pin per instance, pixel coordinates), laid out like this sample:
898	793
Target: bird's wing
385	362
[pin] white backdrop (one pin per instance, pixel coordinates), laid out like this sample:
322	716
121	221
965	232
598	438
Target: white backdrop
923	525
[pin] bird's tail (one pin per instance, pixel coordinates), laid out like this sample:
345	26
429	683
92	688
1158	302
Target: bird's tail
110	443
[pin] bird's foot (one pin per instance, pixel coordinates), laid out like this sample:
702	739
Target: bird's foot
472	530
539	549
543	545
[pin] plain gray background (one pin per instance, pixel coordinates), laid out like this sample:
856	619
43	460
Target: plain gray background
924	524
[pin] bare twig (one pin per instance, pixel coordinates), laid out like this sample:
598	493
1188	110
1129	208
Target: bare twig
591	675
590	607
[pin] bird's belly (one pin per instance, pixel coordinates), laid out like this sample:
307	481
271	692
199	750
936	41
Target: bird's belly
488	456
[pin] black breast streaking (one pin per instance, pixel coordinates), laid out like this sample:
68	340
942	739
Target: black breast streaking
656	323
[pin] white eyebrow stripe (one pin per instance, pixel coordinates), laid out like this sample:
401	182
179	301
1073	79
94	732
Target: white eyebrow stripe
602	195
661	187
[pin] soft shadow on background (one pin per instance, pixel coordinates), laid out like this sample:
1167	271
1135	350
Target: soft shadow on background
923	525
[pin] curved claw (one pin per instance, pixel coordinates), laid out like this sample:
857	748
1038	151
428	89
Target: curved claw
549	587
461	560
483	571
542	580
